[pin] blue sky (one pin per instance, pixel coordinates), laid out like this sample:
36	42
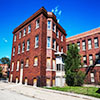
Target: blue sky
75	16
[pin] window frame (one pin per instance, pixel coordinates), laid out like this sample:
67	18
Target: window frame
49	25
84	45
49	42
23	47
37	23
29	28
89	44
28	45
96	45
36	41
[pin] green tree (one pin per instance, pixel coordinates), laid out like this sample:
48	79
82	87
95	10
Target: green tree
5	60
74	77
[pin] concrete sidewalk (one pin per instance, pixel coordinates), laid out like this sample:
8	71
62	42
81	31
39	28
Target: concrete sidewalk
43	94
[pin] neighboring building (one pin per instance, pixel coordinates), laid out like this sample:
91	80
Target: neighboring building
89	46
38	45
4	69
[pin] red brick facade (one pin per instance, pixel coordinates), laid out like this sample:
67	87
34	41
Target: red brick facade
35	72
86	36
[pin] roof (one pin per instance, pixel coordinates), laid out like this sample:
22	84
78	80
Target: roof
47	14
81	35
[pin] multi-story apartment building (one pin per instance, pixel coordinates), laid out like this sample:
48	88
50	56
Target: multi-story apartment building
38	45
89	47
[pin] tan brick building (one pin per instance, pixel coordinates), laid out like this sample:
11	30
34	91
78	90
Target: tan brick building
89	46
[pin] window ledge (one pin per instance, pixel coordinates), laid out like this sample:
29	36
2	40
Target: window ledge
22	51
35	64
37	27
36	46
18	53
26	65
96	47
17	70
27	49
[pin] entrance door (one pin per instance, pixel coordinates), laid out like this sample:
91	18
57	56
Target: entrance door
21	73
58	81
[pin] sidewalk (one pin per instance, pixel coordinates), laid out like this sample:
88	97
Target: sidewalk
43	94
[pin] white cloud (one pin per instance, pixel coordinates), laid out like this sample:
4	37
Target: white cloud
59	13
52	10
58	20
5	40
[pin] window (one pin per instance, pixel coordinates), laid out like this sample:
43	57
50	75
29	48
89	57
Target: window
48	42
36	41
12	66
96	42
17	66
15	38
23	47
54	28
36	61
68	47
37	23
90	60
89	44
24	32
54	44
83	45
57	34
27	62
57	48
97	56
20	33
84	60
54	64
78	44
49	24
61	37
58	67
48	63
63	69
29	28
28	45
13	51
19	49
92	77
61	49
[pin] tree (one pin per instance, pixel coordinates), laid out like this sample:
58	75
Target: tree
5	60
74	77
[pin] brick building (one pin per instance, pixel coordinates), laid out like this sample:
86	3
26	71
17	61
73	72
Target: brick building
38	44
89	46
4	69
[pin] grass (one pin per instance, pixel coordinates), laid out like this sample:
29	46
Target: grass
90	91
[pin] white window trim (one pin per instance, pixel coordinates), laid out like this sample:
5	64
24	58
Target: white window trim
37	24
36	46
29	28
28	45
48	25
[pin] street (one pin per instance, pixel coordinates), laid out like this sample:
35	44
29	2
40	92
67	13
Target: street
10	95
12	91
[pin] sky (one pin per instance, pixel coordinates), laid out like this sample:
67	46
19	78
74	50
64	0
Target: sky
75	16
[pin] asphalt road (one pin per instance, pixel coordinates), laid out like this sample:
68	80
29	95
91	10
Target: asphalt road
10	95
